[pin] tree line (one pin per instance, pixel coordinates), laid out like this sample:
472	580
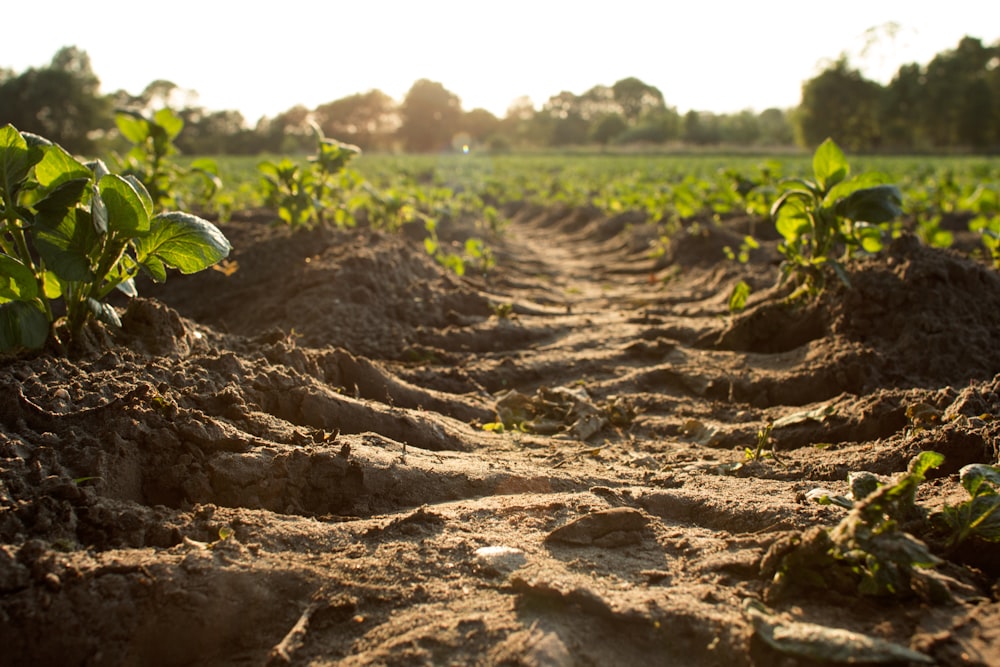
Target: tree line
952	103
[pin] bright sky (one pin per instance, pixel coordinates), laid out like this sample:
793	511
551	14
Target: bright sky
263	58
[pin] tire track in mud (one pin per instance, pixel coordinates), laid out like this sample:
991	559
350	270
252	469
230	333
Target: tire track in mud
267	499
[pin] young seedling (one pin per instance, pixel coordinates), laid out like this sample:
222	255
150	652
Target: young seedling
305	195
979	516
831	215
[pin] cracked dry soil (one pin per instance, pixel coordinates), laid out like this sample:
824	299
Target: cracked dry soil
287	465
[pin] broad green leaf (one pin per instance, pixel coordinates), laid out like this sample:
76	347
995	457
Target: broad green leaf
23	324
181	241
975	475
171	123
57	166
829	165
882	203
17	282
140	189
126	210
852	185
65	244
791	218
16	159
63	197
51	285
984	516
133	126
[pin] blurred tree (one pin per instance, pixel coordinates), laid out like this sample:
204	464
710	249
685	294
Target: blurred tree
742	129
702	128
62	102
901	109
562	121
637	98
214	133
479	124
368	120
608	128
430	117
596	103
521	125
959	106
288	132
776	128
841	104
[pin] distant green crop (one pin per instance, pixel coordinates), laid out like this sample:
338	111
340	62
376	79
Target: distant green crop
306	195
149	160
71	233
831	215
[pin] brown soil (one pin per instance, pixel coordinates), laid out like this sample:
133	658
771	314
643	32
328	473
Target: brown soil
287	465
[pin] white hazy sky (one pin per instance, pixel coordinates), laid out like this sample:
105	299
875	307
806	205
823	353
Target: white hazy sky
263	58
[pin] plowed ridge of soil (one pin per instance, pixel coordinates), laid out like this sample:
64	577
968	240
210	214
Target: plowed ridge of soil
288	465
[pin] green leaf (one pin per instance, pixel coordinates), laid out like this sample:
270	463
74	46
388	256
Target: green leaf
975	475
16	160
921	463
63	197
171	123
829	165
17	282
132	125
181	241
738	297
984	515
882	203
127	212
791	217
65	244
140	189
57	166
23	324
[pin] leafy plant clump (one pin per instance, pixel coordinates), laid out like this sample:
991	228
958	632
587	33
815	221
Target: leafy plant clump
304	195
832	214
71	233
979	516
868	552
148	160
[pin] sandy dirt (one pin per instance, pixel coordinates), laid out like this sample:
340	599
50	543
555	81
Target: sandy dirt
288	465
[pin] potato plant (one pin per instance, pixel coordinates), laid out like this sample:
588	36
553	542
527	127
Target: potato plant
304	195
71	233
149	160
824	220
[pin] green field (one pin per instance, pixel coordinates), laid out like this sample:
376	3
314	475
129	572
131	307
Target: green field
940	193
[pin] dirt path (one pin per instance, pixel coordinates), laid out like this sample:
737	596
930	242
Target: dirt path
288	465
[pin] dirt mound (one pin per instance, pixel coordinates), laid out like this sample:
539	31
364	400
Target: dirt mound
288	465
